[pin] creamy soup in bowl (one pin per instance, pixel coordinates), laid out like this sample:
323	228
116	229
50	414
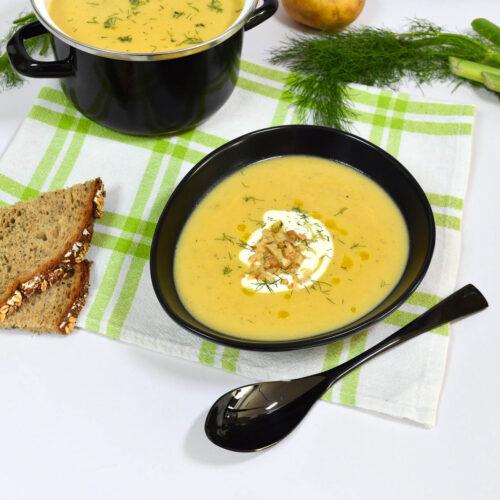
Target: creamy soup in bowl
291	237
288	248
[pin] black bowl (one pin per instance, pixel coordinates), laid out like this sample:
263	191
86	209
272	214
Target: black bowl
293	140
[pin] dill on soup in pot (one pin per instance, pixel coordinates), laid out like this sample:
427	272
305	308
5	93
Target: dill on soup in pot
144	25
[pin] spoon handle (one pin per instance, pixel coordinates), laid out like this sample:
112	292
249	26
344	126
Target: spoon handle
463	302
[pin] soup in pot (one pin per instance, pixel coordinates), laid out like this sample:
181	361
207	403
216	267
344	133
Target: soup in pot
144	25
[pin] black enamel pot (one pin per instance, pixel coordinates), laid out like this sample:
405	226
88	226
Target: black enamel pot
141	93
310	140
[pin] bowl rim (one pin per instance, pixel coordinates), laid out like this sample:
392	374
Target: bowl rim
305	342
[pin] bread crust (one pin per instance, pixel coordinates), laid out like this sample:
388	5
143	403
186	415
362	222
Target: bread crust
56	268
68	319
60	318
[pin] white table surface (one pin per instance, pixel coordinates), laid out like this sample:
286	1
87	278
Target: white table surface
85	416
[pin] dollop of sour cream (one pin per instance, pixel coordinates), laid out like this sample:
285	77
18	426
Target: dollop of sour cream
317	255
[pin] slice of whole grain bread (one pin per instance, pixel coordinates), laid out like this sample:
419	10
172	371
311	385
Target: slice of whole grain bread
42	238
57	308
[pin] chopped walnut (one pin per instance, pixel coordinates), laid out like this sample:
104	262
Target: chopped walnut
276	252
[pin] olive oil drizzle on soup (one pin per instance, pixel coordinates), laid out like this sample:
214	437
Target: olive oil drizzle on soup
144	25
367	230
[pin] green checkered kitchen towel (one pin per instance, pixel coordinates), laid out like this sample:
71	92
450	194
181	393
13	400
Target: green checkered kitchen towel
57	147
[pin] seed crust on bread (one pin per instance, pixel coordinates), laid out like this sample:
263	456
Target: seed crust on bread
39	276
56	310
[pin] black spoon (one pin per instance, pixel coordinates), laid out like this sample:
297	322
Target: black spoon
256	416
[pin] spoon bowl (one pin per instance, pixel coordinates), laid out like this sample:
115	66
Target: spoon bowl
256	416
253	406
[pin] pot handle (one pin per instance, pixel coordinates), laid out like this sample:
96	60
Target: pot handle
27	66
261	14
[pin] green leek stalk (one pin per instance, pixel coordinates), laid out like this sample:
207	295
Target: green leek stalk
487	30
492	81
471	70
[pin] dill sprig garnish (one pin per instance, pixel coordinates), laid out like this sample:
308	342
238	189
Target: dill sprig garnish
191	39
323	66
216	6
319	231
308	242
259	223
245	245
251	198
9	78
234	241
110	22
321	286
266	284
227	270
226	237
302	214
